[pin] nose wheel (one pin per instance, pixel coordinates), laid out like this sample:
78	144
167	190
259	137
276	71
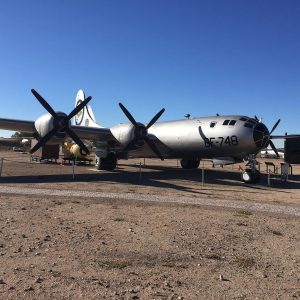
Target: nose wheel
251	177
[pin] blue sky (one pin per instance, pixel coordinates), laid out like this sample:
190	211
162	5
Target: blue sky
197	57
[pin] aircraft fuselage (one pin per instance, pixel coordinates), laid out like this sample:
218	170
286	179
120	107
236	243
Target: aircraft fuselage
208	137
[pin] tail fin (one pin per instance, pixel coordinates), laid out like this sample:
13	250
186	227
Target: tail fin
86	116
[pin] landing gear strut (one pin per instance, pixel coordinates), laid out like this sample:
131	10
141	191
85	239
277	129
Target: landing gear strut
251	174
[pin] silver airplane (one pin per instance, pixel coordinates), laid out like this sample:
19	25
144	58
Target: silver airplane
224	139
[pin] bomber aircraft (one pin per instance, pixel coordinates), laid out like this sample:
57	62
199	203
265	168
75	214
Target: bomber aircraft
224	139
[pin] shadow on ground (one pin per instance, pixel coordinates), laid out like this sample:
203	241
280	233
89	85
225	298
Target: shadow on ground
160	177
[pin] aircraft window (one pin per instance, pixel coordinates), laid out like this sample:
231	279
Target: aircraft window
252	121
243	119
232	122
226	122
212	124
248	125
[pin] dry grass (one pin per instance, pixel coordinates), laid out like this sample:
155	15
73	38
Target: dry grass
276	232
244	262
113	264
244	213
214	256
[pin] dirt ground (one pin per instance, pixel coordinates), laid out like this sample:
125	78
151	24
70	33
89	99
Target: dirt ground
61	247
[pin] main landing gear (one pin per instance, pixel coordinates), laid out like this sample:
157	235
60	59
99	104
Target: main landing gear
251	174
106	163
190	163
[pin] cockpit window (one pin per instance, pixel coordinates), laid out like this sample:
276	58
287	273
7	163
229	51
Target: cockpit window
226	122
232	122
212	124
252	121
248	125
243	119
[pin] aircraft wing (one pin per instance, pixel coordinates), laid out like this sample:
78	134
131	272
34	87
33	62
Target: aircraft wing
289	136
94	133
17	125
86	133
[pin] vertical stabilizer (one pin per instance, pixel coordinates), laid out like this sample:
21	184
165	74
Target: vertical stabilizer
86	116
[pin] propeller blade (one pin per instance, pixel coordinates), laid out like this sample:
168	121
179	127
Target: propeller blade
153	148
274	148
155	118
79	107
77	140
43	140
256	118
128	114
274	127
44	103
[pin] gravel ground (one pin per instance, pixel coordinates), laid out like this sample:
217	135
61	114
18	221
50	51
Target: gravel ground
112	235
263	207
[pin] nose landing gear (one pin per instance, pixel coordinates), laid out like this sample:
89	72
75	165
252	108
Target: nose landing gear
251	174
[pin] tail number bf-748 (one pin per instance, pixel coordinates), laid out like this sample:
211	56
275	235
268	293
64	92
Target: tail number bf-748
221	141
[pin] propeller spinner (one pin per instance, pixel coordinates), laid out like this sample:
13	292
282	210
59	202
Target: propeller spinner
141	131
60	123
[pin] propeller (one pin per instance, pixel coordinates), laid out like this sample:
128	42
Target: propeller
274	127
259	120
270	138
141	131
60	123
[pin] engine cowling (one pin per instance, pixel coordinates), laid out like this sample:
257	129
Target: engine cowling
124	133
46	123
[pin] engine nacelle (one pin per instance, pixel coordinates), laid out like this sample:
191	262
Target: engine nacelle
124	133
45	124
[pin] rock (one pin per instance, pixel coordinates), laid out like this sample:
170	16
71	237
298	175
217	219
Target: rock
39	280
47	238
179	283
2	281
221	277
29	289
263	275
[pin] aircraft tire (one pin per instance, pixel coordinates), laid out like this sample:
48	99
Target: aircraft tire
108	163
190	163
251	177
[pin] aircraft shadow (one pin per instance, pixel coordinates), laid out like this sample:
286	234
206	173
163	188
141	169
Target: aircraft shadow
161	177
